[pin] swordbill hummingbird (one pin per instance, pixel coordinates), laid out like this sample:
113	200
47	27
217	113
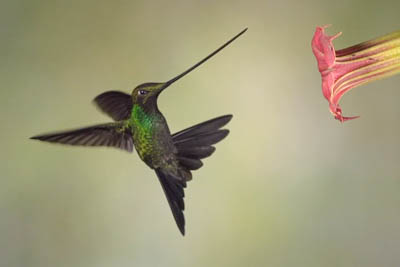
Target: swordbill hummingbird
139	123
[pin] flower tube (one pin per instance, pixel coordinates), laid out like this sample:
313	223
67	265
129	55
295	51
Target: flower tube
342	70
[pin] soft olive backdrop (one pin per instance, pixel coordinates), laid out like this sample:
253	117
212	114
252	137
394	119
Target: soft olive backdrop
290	186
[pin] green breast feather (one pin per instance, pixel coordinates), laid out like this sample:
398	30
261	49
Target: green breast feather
142	124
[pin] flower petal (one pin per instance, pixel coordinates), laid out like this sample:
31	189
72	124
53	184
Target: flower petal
348	68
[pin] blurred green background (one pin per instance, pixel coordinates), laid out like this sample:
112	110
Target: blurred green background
290	186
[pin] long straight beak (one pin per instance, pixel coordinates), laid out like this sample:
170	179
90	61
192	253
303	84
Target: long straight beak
202	61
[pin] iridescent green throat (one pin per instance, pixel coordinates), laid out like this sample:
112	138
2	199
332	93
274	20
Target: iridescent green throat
141	120
143	131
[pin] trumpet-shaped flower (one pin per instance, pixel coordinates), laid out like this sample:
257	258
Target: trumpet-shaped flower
342	70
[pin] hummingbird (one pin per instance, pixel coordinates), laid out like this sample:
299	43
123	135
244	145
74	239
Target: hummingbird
139	124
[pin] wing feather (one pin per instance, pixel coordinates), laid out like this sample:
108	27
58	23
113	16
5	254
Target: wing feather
118	105
110	134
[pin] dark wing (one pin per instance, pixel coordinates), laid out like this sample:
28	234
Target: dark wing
204	127
173	189
196	142
193	144
117	105
110	134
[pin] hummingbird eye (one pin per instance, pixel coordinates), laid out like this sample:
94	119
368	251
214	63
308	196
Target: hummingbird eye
142	92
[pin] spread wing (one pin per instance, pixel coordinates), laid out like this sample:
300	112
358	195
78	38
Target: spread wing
110	134
117	105
196	142
193	144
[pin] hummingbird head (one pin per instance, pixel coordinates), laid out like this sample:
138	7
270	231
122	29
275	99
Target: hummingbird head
147	92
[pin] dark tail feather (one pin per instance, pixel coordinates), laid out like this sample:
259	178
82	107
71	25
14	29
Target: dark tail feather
195	143
173	189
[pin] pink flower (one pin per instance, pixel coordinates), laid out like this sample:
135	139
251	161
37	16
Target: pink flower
342	70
